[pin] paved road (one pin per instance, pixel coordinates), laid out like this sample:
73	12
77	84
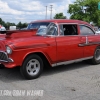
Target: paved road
79	81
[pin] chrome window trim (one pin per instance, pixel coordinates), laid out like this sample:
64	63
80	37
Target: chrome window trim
86	26
68	35
67	24
45	35
48	27
71	61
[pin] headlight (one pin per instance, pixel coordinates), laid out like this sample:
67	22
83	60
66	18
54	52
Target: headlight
8	50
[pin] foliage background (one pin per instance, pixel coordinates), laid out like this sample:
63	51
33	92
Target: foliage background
86	10
8	24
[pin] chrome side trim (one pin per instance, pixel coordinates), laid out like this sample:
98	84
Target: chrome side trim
86	40
53	65
71	61
88	44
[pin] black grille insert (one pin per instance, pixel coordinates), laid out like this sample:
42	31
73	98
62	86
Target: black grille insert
3	56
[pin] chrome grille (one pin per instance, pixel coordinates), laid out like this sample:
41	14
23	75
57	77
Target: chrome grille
3	56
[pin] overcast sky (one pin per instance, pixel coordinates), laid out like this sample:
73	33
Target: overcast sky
30	10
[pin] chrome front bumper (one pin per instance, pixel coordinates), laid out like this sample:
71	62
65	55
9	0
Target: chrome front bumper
4	57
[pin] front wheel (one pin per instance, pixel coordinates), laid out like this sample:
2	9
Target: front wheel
32	67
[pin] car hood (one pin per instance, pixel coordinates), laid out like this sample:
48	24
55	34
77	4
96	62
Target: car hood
24	40
28	42
16	37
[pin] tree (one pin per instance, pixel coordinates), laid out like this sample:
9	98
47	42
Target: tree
21	25
86	10
2	22
8	24
59	16
24	25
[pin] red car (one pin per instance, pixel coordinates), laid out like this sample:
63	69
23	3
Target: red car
49	43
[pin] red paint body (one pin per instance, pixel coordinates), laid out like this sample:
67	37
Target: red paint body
55	48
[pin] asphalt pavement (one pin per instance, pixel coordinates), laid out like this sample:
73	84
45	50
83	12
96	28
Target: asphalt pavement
78	81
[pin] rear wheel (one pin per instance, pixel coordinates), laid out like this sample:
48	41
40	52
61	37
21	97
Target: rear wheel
96	57
32	67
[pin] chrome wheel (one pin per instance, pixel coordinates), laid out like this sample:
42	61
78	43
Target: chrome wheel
97	54
33	67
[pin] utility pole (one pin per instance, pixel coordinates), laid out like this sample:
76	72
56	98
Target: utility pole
51	6
46	13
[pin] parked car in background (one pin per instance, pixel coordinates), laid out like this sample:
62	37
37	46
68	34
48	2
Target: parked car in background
2	29
49	43
98	31
12	28
23	28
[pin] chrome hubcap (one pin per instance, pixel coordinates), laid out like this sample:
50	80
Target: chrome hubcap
33	67
97	54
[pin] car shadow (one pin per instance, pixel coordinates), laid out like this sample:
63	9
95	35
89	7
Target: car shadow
11	75
65	68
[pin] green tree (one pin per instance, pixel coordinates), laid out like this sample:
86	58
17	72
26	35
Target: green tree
86	10
24	25
2	22
59	16
21	25
8	24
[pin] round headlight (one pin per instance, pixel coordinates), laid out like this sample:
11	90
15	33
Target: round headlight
8	50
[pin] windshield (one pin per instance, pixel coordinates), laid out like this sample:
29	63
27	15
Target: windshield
44	28
41	31
38	25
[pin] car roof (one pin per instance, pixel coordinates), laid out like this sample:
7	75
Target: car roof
63	21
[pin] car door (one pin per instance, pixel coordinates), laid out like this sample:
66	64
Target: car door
68	43
91	40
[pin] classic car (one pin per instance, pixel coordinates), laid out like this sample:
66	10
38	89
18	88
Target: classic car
49	43
2	29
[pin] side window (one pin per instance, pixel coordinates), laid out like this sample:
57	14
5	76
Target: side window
68	29
84	30
52	29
